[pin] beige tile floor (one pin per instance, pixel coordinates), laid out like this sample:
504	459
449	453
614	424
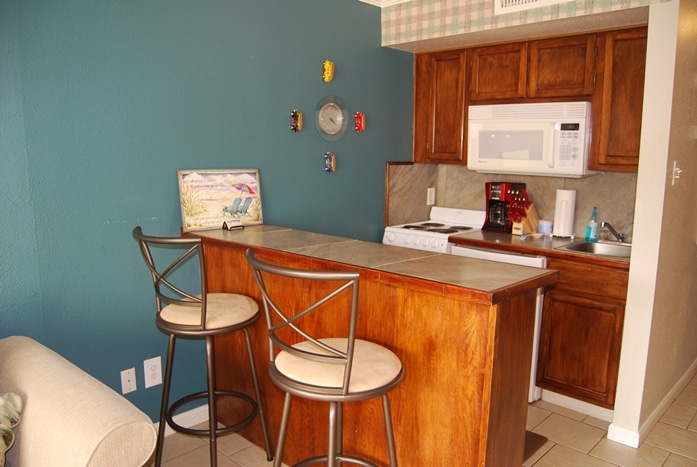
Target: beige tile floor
574	439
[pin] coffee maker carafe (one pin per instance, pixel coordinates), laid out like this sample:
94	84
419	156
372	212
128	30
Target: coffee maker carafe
499	197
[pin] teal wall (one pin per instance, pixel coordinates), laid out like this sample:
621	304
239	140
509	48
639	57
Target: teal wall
102	101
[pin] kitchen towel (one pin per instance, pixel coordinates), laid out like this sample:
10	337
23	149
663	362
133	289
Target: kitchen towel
564	213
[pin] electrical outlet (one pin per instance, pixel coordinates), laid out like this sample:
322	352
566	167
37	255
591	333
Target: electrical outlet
153	371
128	381
430	196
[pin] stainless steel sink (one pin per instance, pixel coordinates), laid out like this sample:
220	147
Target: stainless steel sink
618	250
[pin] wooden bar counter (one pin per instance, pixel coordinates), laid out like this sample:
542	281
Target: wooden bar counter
462	327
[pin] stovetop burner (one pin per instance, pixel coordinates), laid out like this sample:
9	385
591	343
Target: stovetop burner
432	234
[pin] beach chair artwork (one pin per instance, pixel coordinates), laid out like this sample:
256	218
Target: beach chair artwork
211	198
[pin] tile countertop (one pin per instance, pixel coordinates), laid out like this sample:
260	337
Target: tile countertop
474	274
544	246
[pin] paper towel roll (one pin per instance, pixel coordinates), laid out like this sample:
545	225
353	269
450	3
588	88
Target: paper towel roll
564	213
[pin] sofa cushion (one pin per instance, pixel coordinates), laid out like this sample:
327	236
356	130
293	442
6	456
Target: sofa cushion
10	412
69	418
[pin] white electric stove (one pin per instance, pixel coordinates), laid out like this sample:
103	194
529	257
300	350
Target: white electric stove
432	234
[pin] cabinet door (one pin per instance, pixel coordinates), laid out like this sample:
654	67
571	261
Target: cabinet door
498	72
580	344
562	67
439	107
622	101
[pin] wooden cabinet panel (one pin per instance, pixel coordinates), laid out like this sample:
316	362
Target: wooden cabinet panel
580	347
562	67
498	72
439	107
621	101
581	333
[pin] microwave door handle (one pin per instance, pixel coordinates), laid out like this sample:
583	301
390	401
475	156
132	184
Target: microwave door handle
554	141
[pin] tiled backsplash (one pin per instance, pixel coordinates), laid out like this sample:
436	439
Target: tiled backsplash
457	187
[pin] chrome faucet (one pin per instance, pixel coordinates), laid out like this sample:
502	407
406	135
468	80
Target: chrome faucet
618	236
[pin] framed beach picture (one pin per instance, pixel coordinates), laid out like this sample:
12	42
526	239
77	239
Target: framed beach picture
209	198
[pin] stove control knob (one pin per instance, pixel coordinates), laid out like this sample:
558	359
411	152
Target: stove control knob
390	237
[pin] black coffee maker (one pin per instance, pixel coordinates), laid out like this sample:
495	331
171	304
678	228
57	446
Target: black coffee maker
499	198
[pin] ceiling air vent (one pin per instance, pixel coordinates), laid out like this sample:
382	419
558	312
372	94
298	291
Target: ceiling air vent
508	6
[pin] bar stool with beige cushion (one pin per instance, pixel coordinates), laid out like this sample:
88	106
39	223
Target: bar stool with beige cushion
181	313
333	369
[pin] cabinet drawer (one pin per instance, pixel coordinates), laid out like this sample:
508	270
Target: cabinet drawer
583	278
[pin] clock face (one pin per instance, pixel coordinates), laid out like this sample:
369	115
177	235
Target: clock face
331	118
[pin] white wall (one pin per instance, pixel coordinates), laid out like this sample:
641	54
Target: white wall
658	352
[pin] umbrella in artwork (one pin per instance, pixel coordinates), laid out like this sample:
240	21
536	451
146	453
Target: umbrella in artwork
244	188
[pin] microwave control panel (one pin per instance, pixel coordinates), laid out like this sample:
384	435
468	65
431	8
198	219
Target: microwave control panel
569	144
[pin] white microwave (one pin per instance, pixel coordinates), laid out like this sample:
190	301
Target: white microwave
550	139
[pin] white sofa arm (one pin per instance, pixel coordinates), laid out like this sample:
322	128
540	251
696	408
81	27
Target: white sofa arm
69	417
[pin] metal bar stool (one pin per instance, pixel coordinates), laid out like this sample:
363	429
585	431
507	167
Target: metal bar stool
334	369
181	313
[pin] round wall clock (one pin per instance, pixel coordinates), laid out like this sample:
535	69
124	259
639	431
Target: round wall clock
331	118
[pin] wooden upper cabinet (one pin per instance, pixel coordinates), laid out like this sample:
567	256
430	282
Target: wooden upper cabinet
619	105
498	72
562	67
605	68
439	107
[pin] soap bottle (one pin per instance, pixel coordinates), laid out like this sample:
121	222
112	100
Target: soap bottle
592	228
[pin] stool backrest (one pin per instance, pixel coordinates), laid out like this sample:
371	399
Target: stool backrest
332	294
166	291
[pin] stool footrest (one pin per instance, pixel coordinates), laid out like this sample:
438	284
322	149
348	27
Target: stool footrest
341	457
206	432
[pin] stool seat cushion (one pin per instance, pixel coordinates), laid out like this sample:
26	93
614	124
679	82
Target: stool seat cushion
374	366
223	310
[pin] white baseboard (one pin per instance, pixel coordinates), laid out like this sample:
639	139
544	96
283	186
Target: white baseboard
188	419
624	436
633	438
577	405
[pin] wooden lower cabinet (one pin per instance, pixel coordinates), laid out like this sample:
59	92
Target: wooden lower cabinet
581	335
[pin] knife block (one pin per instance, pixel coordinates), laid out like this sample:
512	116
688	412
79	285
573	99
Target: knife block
528	224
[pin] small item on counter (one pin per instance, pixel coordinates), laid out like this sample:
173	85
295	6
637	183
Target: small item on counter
564	209
545	227
232	224
592	227
534	235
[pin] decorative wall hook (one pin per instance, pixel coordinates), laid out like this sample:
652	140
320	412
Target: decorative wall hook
328	71
360	122
329	162
296	121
